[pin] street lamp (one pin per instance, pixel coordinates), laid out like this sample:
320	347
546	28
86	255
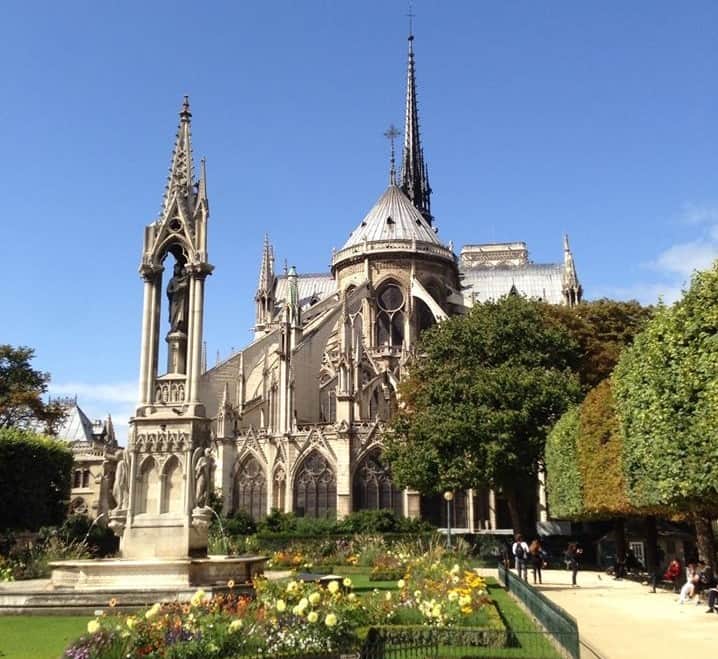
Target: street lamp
448	496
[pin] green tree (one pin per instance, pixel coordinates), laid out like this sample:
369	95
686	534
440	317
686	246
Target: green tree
480	400
21	391
602	328
667	396
564	484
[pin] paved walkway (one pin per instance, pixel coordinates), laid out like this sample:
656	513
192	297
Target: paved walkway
624	619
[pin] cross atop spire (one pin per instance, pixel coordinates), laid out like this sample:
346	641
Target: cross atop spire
391	134
181	174
414	172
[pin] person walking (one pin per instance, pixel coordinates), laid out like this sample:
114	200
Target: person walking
573	556
520	551
537	556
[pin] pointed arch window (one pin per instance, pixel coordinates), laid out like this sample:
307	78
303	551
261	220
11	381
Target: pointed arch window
250	488
315	488
390	316
372	487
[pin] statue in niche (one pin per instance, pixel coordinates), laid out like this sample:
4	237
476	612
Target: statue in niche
178	296
203	475
121	485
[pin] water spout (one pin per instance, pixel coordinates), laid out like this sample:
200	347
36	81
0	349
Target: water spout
221	530
94	521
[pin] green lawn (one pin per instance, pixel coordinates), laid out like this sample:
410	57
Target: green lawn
38	637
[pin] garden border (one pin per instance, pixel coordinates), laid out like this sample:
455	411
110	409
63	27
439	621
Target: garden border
559	624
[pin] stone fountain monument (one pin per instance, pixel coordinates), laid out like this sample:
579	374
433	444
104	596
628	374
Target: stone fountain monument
164	477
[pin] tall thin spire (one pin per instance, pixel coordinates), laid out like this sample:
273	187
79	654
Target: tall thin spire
181	174
266	270
414	172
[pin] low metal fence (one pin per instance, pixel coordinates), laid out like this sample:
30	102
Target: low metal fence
558	623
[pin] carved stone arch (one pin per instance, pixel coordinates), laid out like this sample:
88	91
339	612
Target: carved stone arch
316	439
147	487
172	481
279	486
249	486
391	301
315	486
372	487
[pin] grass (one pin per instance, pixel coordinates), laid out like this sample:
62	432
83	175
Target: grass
38	637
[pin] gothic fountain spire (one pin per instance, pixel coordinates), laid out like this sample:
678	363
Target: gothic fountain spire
414	172
180	181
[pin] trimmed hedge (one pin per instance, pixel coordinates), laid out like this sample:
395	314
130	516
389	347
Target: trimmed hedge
600	455
564	485
35	473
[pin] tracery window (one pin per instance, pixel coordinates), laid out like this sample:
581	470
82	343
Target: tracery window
315	488
328	398
172	487
390	316
372	486
250	488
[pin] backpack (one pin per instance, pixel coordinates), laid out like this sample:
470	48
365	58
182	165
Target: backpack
520	552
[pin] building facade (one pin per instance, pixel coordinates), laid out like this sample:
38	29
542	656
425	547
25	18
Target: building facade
298	415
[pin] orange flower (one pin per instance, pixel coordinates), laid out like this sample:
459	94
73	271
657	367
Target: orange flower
112	603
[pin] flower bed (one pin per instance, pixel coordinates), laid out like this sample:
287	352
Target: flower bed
292	617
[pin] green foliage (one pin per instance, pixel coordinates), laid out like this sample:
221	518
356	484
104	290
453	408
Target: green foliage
241	523
34	479
21	391
600	455
563	478
277	522
666	393
482	397
99	540
602	329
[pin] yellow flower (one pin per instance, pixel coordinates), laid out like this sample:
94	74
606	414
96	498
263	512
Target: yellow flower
455	569
453	596
417	594
131	622
436	610
330	620
280	606
292	587
197	598
351	597
93	627
401	583
333	587
312	617
152	611
464	601
298	611
315	598
235	625
387	596
230	584
347	583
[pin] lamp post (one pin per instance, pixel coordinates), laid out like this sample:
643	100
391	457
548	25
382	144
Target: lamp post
448	496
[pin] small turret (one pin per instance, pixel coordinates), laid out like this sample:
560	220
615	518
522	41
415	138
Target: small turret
572	290
265	290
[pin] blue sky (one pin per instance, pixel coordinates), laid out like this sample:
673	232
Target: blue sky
538	118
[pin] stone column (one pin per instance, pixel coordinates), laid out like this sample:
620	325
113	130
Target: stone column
542	502
197	314
146	339
470	512
413	504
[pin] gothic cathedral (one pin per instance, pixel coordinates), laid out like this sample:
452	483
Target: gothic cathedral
296	417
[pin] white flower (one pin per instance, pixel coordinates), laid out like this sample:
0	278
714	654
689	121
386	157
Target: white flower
333	587
347	583
312	617
235	625
401	583
281	606
330	620
93	627
315	598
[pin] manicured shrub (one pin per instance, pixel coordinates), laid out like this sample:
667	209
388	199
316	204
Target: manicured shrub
34	479
563	478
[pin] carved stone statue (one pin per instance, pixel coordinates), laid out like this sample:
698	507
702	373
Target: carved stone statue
203	471
121	486
178	296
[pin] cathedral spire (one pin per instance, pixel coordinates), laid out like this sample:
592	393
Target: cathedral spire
266	270
572	289
181	175
414	172
265	289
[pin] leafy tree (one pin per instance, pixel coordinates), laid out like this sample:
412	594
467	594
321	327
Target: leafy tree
602	328
667	396
21	391
480	400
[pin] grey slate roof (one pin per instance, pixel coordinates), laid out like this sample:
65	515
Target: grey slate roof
393	217
534	280
312	288
76	427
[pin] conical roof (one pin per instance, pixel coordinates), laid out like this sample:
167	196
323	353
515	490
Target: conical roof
393	217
